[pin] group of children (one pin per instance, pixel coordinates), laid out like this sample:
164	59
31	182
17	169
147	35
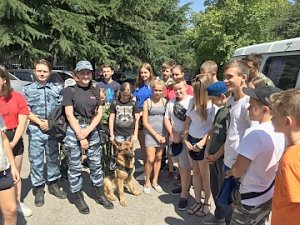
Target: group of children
221	131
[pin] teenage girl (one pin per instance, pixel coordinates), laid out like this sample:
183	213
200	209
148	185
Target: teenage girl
124	116
14	110
200	116
143	91
9	176
155	140
84	113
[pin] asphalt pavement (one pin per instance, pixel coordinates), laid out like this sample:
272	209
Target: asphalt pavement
146	209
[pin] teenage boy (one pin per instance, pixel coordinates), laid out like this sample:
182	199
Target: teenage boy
210	69
108	83
214	151
174	122
178	76
166	69
42	97
253	61
286	197
236	73
258	155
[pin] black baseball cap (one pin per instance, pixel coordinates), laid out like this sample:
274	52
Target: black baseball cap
261	94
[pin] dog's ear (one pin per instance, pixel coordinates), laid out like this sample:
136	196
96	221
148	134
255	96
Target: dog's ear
117	144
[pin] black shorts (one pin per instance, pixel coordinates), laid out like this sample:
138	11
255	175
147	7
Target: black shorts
196	155
19	148
6	180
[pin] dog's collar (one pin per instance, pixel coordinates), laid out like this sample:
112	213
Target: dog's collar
125	169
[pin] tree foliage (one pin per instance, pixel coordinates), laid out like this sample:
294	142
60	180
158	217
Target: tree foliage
18	31
122	33
229	24
288	25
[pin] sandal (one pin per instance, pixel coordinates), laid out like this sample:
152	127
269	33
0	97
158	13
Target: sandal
202	212
194	208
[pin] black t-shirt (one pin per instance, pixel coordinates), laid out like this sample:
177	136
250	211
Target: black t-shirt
124	116
82	99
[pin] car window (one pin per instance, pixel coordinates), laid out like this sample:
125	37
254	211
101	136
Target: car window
64	76
25	76
55	78
283	70
11	77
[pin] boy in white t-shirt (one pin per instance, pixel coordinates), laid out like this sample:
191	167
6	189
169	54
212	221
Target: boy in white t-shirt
174	123
258	155
236	73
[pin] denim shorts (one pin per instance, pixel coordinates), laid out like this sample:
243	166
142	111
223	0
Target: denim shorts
196	155
121	138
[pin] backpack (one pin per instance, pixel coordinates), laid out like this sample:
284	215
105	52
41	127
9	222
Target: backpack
149	103
57	122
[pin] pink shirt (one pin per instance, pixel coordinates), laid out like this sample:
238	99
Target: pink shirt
170	94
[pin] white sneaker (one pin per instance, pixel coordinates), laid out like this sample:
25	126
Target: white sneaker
24	210
147	189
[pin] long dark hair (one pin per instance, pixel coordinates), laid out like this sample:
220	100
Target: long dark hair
6	88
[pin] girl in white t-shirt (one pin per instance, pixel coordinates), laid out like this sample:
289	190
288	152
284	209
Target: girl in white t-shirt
200	116
9	176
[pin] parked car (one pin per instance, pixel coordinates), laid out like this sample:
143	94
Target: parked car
64	74
128	77
58	76
16	83
281	61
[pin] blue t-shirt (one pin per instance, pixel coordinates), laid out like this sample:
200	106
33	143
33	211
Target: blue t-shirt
111	89
142	93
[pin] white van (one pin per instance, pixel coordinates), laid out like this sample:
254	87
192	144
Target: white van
281	61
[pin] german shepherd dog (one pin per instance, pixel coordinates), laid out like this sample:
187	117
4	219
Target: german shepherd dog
123	173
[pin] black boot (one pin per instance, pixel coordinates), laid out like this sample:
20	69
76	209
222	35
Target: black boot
54	190
80	203
101	199
39	196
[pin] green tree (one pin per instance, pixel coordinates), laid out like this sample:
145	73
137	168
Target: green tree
288	25
229	24
18	32
122	33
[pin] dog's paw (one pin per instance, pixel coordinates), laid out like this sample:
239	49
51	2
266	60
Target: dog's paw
112	198
136	192
123	202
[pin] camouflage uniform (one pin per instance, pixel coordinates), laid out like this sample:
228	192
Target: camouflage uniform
93	157
42	99
251	215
